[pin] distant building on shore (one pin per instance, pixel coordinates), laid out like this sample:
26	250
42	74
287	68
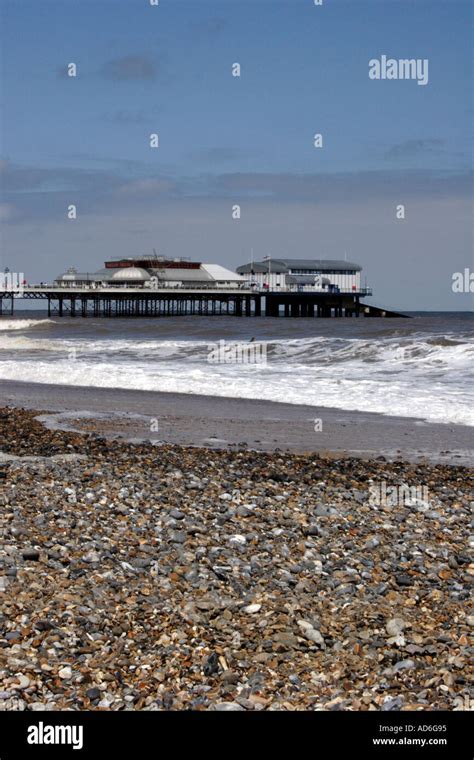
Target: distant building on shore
330	275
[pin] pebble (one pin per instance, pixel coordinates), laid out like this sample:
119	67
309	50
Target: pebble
93	693
176	514
403	665
395	626
13	636
31	555
392	704
404	580
20	682
177	537
251	609
314	636
238	539
289	593
91	556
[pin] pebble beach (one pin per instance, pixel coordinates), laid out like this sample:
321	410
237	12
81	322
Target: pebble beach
140	577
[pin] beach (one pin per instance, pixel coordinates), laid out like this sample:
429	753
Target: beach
184	534
216	422
161	577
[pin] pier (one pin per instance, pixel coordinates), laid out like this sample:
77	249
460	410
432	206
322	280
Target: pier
166	302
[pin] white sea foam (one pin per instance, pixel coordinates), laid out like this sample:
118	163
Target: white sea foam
22	324
423	376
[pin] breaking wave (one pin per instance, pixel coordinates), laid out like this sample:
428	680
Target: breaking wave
410	375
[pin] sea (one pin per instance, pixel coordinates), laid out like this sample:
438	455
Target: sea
420	367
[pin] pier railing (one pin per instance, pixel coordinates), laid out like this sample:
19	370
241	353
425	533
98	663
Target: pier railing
87	288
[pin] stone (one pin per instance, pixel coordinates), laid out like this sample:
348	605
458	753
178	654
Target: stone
177	537
313	635
403	665
251	609
404	580
395	626
13	636
21	682
176	514
159	625
238	539
31	555
91	556
392	704
211	666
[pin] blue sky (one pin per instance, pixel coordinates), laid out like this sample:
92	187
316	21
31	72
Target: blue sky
246	140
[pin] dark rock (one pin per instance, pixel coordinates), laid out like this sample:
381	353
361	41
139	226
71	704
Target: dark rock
44	625
31	555
404	580
13	636
176	514
177	537
211	665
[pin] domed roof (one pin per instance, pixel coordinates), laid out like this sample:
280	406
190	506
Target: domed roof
131	274
69	274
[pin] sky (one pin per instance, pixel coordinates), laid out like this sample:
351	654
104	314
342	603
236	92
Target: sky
246	141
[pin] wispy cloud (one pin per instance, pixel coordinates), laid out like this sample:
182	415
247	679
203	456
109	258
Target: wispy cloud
147	187
131	68
38	192
222	155
343	187
211	27
126	116
17	180
411	148
8	212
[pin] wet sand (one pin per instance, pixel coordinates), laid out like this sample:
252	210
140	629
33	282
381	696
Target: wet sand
220	423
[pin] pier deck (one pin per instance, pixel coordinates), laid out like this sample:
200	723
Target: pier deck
141	302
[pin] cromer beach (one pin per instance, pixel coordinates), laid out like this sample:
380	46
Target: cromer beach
141	577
